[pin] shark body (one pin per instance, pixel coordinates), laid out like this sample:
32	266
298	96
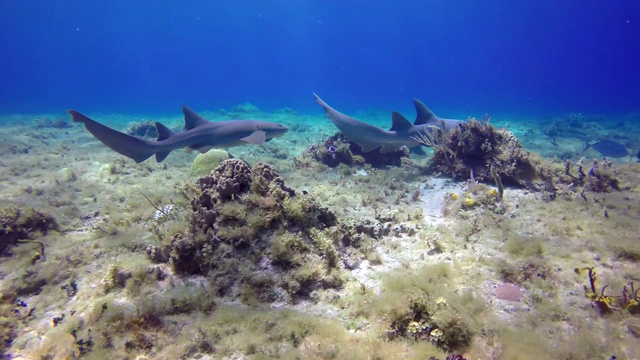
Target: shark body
199	134
402	132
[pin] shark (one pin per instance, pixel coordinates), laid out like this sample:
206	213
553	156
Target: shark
401	133
199	134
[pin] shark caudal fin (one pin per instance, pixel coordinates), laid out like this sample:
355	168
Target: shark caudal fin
127	145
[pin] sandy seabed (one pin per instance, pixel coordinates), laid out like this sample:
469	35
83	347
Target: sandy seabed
503	283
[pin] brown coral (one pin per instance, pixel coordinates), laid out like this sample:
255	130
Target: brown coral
246	223
477	147
337	150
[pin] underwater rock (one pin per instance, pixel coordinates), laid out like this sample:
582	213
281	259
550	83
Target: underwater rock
17	224
257	239
66	175
143	129
572	126
603	177
59	123
374	229
338	150
477	147
204	163
106	171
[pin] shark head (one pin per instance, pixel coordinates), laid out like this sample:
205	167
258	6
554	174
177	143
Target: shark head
272	130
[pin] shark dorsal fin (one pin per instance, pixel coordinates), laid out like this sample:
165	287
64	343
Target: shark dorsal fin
423	114
192	119
399	122
164	132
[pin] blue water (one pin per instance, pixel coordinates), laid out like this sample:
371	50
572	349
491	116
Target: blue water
461	57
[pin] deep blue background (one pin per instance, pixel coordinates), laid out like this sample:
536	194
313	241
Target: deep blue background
540	57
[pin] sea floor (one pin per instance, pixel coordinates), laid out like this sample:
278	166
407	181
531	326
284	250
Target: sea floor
504	282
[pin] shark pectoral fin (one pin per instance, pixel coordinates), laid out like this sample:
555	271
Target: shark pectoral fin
204	149
201	148
386	148
257	137
400	123
369	147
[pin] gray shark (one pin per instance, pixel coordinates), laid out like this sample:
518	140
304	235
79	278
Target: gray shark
402	132
199	134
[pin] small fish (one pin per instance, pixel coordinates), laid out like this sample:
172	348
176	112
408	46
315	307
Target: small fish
609	148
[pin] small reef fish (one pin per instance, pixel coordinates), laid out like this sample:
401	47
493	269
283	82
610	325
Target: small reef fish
402	132
609	148
199	134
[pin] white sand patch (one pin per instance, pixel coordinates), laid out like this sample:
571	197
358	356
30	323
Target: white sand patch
432	196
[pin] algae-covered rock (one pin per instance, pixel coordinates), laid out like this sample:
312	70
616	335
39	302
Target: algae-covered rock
22	224
204	163
66	175
257	239
145	129
337	150
475	147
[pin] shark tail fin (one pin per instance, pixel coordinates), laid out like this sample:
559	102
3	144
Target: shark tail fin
130	146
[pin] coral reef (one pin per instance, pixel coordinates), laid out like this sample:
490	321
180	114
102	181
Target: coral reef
338	150
425	321
204	163
606	304
476	147
420	307
19	224
602	177
256	238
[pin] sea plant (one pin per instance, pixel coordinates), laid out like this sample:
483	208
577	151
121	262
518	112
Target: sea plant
604	302
629	299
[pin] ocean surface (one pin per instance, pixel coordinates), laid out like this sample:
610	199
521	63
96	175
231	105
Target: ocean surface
461	57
